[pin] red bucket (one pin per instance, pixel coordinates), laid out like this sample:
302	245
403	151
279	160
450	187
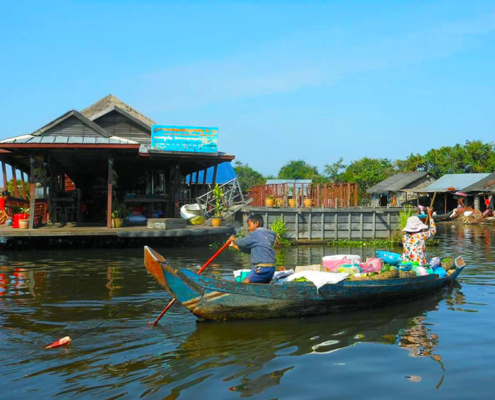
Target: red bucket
17	217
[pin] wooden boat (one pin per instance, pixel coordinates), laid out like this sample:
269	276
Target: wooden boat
217	299
443	217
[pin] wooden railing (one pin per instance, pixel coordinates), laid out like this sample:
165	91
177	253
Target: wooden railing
40	209
328	195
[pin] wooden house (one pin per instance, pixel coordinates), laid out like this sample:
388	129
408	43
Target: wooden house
402	186
105	150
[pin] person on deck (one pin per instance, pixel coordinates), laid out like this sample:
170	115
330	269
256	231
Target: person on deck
3	201
415	237
259	243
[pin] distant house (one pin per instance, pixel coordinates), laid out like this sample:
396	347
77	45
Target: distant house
483	188
449	185
402	185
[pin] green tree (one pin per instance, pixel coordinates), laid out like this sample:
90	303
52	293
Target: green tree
298	169
367	172
10	186
334	171
247	176
414	163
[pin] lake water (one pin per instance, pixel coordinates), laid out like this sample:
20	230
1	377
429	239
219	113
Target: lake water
440	347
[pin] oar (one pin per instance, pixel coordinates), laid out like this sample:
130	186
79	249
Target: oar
431	205
199	272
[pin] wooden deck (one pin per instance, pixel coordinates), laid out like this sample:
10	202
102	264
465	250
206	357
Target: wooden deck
86	230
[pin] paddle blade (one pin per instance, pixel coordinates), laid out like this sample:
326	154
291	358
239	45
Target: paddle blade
60	342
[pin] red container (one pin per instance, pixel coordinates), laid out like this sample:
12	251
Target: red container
17	217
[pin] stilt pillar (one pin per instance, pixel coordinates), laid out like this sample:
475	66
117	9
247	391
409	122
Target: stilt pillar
110	193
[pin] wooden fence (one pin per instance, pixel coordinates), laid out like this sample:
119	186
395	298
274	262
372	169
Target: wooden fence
329	195
40	209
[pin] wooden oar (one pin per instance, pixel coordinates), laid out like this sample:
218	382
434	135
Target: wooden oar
199	272
431	205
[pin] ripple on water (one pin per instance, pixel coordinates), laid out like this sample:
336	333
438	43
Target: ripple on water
47	295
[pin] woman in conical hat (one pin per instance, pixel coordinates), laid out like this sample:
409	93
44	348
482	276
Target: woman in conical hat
416	233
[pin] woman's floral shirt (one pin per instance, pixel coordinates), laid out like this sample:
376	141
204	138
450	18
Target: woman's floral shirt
415	245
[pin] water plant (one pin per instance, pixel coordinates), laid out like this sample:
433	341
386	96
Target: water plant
404	214
280	228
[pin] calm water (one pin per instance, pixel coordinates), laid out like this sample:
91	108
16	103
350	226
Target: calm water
437	347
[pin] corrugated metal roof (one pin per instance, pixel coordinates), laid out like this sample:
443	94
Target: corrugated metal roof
486	185
30	139
456	181
397	182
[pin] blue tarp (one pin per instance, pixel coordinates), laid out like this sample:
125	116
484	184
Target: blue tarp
225	173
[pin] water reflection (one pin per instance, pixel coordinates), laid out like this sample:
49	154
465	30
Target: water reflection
45	295
250	346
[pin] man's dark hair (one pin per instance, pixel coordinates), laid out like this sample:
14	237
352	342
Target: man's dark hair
256	218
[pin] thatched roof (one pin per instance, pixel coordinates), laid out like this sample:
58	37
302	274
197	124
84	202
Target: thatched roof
110	101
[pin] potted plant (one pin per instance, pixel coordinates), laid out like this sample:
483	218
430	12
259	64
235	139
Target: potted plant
218	195
290	193
308	202
269	200
23	218
117	216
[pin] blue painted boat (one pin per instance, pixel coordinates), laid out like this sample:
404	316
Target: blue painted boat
217	299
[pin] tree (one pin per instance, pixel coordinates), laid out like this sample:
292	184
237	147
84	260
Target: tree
334	171
298	169
367	172
247	176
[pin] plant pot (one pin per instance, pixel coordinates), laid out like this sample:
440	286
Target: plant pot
308	202
292	202
269	202
117	222
17	218
24	223
216	221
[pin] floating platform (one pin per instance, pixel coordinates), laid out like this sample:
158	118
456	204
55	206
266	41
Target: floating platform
75	234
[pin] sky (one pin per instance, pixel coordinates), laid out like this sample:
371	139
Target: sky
282	80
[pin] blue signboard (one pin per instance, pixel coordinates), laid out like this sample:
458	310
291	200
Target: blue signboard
184	138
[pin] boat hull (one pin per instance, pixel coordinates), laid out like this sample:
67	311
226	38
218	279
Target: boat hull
215	299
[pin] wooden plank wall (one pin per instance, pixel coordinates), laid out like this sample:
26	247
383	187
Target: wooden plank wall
328	224
71	126
119	125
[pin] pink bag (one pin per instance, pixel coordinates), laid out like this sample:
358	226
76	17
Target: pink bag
333	265
372	264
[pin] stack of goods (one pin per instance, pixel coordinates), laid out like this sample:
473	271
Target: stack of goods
393	267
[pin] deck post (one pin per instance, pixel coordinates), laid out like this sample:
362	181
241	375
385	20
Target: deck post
24	194
196	186
14	178
361	216
389	223
297	225
214	180
322	225
310	222
204	180
45	190
336	227
350	225
32	200
5	182
110	193
374	224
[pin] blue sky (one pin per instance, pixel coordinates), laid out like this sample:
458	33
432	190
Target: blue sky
282	80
